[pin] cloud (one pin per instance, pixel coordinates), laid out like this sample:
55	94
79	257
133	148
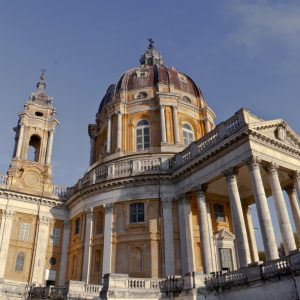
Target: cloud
264	23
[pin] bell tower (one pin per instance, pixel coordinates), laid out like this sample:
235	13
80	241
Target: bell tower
30	170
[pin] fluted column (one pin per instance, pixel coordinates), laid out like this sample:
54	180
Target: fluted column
251	235
119	131
281	210
86	266
186	234
204	230
108	141
163	124
64	254
168	236
5	232
41	250
49	147
263	211
294	207
175	125
20	141
107	247
238	219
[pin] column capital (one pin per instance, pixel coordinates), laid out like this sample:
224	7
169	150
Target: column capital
162	106
230	174
175	107
290	189
119	112
44	220
200	189
108	208
89	213
182	199
272	167
167	202
8	213
253	162
109	116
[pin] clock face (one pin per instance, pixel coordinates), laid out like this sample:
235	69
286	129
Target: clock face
31	179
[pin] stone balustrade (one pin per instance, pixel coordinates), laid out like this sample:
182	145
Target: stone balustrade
122	168
59	191
3	180
274	268
215	136
14	290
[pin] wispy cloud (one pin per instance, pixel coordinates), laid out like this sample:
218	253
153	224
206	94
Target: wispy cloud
263	22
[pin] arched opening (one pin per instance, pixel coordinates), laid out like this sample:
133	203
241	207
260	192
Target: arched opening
143	135
188	134
34	148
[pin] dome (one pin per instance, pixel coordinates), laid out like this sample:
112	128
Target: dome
152	73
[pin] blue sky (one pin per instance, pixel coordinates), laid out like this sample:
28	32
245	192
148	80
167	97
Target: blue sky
240	53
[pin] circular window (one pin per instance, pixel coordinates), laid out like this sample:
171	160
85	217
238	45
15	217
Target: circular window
39	114
52	261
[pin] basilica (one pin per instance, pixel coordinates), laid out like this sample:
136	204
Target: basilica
167	193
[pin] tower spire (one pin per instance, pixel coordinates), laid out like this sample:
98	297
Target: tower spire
151	56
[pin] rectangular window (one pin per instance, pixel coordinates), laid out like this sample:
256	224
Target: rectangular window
20	262
226	258
24	230
137	214
55	237
219	213
77	226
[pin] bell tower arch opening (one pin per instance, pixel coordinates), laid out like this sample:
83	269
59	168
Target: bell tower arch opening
34	148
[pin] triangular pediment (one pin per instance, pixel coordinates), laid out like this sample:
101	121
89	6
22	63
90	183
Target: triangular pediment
224	235
278	130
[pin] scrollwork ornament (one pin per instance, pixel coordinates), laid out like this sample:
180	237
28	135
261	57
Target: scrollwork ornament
200	190
230	174
253	162
167	202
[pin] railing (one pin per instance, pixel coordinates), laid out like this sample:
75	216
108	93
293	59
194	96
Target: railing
211	139
3	180
265	271
13	289
59	191
92	289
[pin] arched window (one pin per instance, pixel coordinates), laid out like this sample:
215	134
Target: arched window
186	100
142	135
34	147
188	134
19	267
141	95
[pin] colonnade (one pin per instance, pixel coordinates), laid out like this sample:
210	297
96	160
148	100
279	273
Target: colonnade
162	127
242	222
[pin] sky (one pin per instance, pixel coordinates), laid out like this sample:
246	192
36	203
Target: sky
240	53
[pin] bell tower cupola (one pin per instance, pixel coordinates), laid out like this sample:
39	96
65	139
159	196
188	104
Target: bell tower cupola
30	170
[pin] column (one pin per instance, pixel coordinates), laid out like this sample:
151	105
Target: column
251	235
207	125
163	124
297	184
5	231
263	211
175	125
204	230
20	141
41	251
49	147
186	236
168	236
238	219
281	210
64	254
107	247
119	131
294	207
108	134
87	254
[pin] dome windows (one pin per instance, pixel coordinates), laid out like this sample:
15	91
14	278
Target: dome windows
39	114
186	100
143	135
188	134
141	95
